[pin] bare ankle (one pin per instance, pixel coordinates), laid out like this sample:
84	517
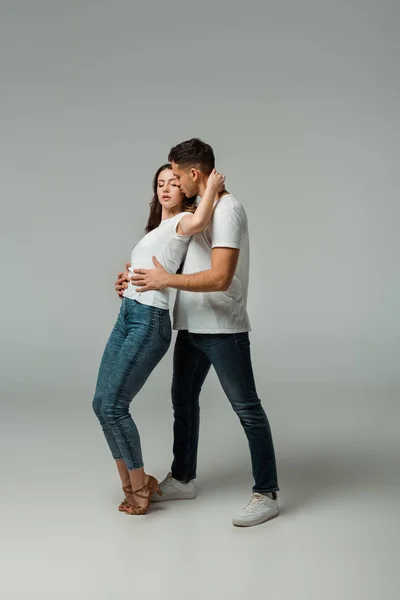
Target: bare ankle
138	479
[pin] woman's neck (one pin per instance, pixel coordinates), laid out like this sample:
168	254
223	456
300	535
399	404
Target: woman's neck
168	213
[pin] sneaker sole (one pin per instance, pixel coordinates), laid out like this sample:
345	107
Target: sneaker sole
244	523
167	498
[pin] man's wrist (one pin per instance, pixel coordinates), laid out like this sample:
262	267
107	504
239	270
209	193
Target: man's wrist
168	280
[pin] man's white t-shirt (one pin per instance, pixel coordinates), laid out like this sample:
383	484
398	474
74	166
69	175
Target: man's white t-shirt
169	248
217	312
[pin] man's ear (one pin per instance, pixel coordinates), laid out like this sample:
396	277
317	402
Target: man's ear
195	173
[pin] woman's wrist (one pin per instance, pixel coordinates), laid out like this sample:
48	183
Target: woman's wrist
212	190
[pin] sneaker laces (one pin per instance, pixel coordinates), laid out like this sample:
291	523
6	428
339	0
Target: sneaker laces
168	479
254	502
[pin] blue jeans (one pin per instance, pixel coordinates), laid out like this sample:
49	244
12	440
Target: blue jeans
230	356
140	338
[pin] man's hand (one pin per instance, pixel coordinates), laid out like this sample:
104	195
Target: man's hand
122	282
150	279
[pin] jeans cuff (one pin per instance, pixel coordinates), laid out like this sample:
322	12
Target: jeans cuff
257	490
183	479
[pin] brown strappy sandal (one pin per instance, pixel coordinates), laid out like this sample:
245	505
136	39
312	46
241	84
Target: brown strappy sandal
145	492
127	489
124	505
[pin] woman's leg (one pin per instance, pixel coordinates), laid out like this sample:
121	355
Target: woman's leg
110	354
148	334
126	484
112	349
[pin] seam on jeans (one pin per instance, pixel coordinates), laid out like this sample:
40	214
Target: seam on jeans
161	317
239	354
241	364
127	371
190	413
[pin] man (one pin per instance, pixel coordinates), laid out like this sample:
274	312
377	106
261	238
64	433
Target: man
213	329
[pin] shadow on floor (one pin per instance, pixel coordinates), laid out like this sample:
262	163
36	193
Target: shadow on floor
311	477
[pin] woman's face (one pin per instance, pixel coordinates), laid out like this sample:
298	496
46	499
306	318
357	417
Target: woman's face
168	190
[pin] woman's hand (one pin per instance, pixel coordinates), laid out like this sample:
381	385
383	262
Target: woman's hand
122	282
192	224
216	182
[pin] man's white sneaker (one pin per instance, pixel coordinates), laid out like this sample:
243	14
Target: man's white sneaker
260	508
172	489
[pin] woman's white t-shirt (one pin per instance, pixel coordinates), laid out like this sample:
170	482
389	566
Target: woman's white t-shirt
170	250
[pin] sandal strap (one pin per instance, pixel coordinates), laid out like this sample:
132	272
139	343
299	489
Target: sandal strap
146	488
143	489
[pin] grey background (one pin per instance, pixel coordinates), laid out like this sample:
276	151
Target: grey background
300	100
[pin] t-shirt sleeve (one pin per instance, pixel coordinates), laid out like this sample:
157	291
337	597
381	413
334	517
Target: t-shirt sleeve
176	224
226	228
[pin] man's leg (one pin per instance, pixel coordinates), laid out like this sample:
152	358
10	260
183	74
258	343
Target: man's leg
230	356
190	368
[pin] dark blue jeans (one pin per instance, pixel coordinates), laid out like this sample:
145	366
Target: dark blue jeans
230	356
140	338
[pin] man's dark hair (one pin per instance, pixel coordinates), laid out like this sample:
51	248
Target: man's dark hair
193	153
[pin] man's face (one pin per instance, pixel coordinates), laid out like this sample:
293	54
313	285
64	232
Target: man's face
188	180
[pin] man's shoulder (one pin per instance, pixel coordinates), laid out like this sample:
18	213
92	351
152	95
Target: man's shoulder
230	202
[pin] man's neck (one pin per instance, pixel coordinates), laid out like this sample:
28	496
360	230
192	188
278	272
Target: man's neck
202	189
220	194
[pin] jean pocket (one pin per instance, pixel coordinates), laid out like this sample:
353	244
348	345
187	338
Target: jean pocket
165	329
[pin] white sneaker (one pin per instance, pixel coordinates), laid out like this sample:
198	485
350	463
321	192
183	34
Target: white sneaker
172	489
260	508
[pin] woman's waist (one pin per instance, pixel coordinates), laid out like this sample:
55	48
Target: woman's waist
156	298
139	301
141	264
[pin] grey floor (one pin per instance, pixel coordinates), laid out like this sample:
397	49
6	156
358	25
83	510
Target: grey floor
337	535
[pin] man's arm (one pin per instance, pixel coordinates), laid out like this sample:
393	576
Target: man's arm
216	279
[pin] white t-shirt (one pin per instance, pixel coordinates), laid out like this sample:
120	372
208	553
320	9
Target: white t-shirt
217	312
169	248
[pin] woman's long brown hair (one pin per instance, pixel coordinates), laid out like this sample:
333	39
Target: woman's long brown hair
189	204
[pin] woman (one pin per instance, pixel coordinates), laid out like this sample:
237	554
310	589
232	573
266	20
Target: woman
142	332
